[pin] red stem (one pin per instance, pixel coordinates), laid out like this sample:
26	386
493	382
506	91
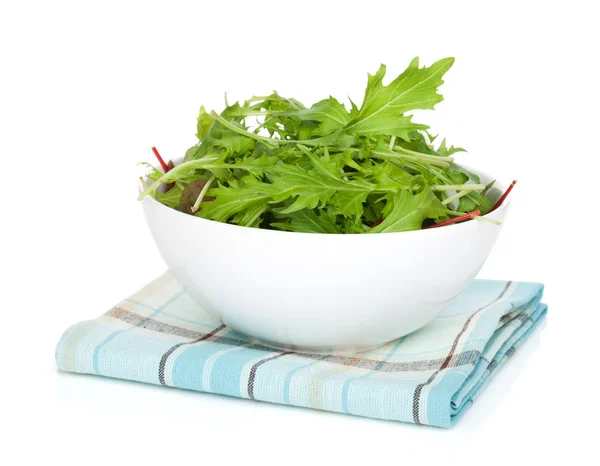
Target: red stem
503	197
164	166
475	213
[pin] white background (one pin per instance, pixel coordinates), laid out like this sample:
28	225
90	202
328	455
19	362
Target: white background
88	87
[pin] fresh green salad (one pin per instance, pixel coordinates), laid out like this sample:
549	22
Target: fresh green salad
271	162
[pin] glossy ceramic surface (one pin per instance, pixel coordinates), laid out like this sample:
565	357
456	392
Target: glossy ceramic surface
317	292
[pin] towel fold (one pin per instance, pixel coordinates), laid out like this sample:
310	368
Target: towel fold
161	336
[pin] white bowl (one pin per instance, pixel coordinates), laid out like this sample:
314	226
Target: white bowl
319	292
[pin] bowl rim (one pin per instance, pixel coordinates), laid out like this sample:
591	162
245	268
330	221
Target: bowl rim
431	231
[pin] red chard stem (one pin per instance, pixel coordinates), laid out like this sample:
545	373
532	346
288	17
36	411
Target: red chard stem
504	196
164	166
475	213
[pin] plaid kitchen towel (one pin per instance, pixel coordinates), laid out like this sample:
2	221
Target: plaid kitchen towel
160	336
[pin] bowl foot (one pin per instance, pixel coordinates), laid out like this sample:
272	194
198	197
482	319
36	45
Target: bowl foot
320	350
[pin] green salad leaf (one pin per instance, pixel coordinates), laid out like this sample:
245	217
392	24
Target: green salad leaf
272	162
409	210
384	107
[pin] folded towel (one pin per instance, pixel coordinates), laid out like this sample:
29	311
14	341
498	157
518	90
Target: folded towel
161	336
